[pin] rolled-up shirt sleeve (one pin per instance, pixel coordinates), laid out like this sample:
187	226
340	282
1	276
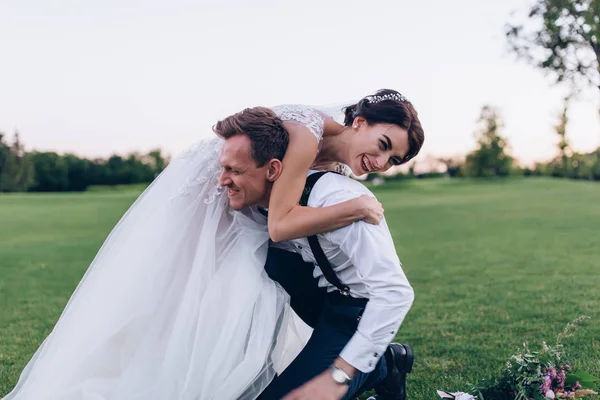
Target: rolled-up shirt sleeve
371	250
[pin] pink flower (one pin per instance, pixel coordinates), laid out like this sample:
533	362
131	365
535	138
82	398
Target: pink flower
546	385
553	373
562	376
576	386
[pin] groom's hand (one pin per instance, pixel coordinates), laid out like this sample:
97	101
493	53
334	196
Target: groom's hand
321	387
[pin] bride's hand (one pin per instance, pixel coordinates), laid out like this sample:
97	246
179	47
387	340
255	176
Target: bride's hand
370	209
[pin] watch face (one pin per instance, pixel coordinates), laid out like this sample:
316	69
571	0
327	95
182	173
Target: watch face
339	376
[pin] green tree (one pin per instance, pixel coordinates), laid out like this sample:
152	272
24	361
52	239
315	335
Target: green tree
51	172
138	169
563	144
562	38
156	160
5	160
596	164
490	158
78	172
115	170
584	165
16	169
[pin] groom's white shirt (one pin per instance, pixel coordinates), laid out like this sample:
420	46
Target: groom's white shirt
364	258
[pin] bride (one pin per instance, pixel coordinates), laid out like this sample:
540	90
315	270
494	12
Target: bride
176	304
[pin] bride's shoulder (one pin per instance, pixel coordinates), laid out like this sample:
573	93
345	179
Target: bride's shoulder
294	111
306	115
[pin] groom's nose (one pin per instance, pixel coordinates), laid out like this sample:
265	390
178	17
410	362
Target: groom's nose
224	179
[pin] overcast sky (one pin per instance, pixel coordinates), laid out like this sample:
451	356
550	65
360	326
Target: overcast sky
97	77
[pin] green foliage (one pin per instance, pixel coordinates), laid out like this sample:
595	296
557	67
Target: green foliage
561	37
157	160
16	169
584	166
490	159
531	373
21	171
585	379
561	131
568	164
51	172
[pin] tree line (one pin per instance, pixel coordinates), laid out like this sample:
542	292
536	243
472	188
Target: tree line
36	171
492	158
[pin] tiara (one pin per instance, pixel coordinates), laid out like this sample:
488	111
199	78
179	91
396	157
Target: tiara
390	96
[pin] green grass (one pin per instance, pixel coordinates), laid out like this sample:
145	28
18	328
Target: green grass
138	187
493	264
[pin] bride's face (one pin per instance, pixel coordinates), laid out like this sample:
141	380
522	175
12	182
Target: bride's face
376	148
245	182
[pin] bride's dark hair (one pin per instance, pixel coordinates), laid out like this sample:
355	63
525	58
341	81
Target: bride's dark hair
389	107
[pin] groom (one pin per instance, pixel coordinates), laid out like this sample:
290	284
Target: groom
349	351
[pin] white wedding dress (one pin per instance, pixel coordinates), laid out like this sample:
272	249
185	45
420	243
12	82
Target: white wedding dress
176	304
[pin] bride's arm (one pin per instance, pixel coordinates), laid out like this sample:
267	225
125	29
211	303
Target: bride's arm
287	219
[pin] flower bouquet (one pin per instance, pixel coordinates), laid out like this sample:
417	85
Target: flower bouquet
540	374
536	374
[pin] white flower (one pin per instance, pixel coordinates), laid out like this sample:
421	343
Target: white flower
549	394
455	396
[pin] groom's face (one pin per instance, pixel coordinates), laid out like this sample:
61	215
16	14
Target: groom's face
246	183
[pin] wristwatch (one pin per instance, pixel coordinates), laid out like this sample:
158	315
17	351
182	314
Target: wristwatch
339	375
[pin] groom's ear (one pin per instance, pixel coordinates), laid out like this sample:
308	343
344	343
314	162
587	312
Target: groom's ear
274	168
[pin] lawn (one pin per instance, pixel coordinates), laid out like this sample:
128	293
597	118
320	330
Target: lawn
493	264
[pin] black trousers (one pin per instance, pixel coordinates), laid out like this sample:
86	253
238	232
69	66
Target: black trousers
334	318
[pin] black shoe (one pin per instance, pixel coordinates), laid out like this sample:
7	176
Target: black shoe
399	359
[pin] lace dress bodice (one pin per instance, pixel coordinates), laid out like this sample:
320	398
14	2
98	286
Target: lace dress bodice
307	116
314	121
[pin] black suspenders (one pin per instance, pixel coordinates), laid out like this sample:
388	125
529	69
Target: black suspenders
315	246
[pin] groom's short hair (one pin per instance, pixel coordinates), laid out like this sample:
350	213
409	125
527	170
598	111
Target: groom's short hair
265	129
